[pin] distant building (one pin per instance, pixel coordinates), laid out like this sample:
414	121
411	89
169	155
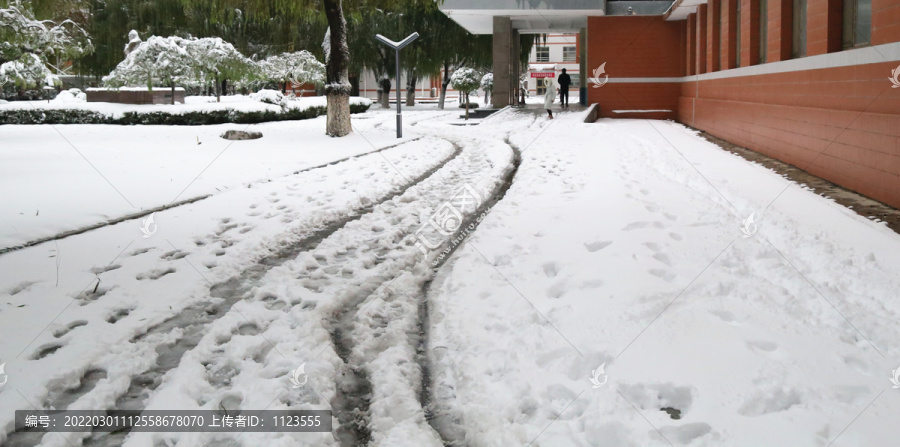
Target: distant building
548	58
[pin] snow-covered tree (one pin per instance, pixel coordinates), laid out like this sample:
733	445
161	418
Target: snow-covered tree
299	67
158	61
487	84
215	60
27	45
465	80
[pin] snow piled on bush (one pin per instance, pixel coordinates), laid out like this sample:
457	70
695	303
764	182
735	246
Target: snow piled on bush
71	95
268	96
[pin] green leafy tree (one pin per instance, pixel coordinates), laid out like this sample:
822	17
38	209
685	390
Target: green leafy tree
29	47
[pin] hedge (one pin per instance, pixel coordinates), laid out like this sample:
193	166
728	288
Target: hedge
197	118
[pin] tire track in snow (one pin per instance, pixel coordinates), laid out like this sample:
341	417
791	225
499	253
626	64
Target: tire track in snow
437	415
358	292
194	319
397	313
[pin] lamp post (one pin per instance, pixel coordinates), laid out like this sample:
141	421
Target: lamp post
397	46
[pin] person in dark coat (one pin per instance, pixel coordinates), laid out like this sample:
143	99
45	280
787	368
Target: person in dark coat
564	82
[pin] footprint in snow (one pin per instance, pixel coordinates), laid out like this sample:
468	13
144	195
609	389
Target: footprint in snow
77	323
155	274
596	245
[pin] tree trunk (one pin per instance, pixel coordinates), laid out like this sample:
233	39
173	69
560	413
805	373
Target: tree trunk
411	80
354	85
224	87
444	83
467	105
173	93
337	88
218	93
386	91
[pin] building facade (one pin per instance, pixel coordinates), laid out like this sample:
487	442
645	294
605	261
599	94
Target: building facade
813	83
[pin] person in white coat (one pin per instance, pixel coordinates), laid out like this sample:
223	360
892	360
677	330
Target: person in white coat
550	96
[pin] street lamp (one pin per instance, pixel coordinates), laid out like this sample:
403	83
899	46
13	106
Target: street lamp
397	46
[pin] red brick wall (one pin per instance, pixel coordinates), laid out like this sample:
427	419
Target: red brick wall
885	21
842	124
636	47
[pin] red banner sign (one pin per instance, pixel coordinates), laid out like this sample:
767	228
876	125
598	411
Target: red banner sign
543	74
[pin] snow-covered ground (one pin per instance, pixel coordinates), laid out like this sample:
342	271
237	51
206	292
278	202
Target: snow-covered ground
621	252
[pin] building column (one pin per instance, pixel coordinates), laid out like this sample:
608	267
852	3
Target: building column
701	40
729	34
503	88
712	35
749	32
780	30
823	26
691	53
582	66
516	72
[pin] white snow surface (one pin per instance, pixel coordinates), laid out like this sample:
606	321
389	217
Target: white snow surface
617	252
82	175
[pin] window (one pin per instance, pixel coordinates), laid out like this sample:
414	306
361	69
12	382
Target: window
569	54
763	30
576	80
857	23
541	87
798	47
737	32
543	54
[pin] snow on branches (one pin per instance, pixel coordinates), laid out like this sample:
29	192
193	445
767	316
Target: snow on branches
299	67
173	60
487	82
27	44
465	80
158	61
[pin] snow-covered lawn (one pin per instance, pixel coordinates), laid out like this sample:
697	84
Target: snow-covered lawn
65	177
623	245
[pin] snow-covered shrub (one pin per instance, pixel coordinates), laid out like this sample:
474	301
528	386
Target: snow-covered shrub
70	95
299	67
268	96
465	80
197	118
